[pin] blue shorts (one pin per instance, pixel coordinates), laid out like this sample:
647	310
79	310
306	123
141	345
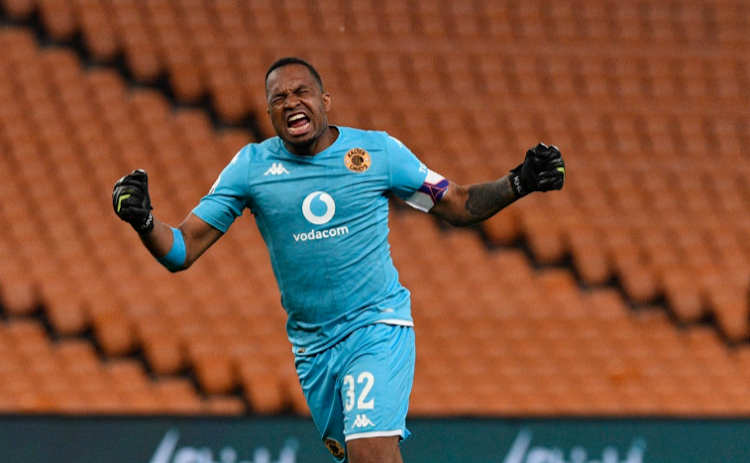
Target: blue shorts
360	387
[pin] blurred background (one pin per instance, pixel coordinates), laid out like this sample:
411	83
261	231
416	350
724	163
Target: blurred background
625	294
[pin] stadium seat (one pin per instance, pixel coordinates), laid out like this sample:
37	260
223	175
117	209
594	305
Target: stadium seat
114	333
58	18
98	34
163	352
224	406
215	373
19	9
177	396
19	294
262	388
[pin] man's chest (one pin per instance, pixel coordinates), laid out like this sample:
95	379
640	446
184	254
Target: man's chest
285	192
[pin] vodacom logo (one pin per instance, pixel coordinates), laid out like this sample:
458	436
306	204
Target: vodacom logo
318	201
318	208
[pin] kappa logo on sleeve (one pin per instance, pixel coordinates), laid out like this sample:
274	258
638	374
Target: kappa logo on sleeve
215	185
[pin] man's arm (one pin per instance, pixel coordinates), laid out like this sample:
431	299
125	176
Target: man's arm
175	248
542	170
197	235
467	205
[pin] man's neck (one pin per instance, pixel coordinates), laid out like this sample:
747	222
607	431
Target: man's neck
326	139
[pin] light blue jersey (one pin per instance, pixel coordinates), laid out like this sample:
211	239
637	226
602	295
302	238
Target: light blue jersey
324	219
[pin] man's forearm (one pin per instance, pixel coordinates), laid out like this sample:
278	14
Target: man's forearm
487	199
467	205
159	241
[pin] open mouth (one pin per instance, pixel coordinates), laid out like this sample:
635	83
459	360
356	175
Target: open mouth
298	124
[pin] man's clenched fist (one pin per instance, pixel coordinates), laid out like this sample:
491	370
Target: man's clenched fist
542	170
131	202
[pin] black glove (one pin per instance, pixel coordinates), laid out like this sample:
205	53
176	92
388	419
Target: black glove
131	202
542	170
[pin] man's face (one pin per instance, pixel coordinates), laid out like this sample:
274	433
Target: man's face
297	106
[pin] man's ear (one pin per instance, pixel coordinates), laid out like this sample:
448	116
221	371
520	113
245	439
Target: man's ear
327	101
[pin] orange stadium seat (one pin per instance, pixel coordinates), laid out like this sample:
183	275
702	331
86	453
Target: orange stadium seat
58	18
265	393
96	29
19	9
178	396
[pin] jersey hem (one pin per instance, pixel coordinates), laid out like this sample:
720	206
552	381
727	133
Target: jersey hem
305	351
365	435
395	321
210	220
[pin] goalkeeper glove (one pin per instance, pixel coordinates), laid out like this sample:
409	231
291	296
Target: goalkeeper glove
542	170
131	202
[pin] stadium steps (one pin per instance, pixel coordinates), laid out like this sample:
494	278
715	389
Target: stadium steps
63	175
596	265
121	36
46	373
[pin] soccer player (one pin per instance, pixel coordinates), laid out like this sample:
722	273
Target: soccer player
319	194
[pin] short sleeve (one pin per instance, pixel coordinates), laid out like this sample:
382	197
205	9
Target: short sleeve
411	180
228	196
407	172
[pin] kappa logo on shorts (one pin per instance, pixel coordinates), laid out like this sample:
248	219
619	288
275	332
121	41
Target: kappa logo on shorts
335	447
357	160
362	421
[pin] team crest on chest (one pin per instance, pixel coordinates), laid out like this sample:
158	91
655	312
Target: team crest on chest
357	160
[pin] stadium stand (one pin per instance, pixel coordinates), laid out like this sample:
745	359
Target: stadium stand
624	294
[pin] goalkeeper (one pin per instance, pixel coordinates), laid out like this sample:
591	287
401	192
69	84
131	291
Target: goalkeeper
319	194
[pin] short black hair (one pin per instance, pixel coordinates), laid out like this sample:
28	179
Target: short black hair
294	60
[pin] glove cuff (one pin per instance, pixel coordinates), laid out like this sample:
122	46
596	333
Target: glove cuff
517	183
146	226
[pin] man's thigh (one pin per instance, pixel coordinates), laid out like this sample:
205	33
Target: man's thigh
374	450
